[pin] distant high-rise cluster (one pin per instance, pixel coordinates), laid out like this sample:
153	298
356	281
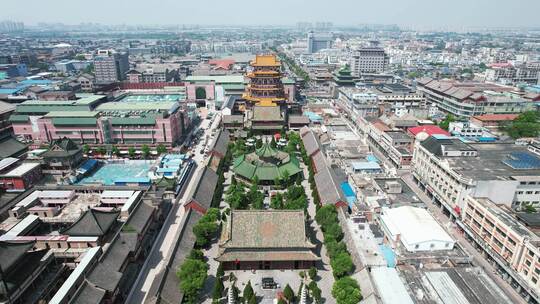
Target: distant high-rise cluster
11	27
321	26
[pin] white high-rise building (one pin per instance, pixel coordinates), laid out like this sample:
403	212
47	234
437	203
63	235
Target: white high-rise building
369	60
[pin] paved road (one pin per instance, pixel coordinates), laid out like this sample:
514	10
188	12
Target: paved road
478	259
167	237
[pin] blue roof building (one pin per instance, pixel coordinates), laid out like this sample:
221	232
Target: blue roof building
350	195
367	166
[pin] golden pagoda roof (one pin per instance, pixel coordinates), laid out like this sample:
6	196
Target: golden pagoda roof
273	74
266	60
263	101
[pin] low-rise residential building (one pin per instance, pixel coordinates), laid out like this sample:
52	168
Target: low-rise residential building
394	144
492	120
507	73
86	81
21	177
466	129
467	99
6	110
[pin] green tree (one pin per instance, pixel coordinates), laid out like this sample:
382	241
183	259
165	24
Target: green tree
196	254
334	248
248	292
237	199
236	291
326	215
161	149
115	151
277	183
288	293
98	150
89	69
529	208
333	231
220	272
80	57
192	274
252	300
86	149
217	293
445	123
131	152
312	272
206	227
315	292
346	291
276	202
145	150
341	264
200	93
285	178
203	232
527	124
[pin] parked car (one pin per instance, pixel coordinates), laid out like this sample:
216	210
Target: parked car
268	283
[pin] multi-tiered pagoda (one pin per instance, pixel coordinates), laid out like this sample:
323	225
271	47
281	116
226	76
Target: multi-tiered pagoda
265	87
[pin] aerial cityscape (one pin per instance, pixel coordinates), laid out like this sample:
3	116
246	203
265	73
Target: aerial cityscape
279	153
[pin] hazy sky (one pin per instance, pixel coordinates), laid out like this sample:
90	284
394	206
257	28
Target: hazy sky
424	13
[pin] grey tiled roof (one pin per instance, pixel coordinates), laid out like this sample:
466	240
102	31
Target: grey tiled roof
108	272
11	147
328	186
319	161
205	188
298	119
233	119
10	253
88	294
266	229
93	223
261	113
311	143
263	235
140	216
222	142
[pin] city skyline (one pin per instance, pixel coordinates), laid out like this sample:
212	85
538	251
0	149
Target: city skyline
421	14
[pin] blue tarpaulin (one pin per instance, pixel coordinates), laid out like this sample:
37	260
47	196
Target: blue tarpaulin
349	193
87	166
388	255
